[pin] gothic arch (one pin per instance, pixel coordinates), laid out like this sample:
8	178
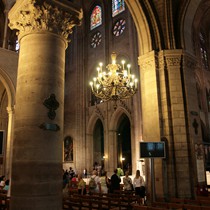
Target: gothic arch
187	23
142	27
116	116
90	129
92	121
10	89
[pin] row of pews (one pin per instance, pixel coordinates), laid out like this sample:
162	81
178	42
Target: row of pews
128	201
4	200
114	201
200	203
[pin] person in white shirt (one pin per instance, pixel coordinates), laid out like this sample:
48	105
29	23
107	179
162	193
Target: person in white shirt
139	186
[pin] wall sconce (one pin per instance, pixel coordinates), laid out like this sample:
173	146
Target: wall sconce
122	158
105	157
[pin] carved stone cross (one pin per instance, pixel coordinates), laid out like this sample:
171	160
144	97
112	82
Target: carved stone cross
52	104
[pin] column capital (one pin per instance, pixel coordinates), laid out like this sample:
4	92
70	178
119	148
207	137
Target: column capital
10	109
35	16
148	61
173	57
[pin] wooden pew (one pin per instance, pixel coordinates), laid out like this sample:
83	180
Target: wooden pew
191	207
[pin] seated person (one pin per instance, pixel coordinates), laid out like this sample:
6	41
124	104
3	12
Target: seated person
6	187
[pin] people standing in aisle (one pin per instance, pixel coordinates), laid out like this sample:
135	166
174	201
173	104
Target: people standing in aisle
81	185
115	182
94	183
139	186
127	181
85	173
104	182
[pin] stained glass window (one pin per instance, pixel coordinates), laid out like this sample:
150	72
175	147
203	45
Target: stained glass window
96	17
203	50
119	27
118	6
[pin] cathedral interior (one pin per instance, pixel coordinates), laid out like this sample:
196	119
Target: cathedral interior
50	119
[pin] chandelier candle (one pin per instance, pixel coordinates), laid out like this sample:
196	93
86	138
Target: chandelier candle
115	84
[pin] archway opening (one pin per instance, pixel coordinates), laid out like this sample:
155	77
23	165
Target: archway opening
3	125
98	145
124	159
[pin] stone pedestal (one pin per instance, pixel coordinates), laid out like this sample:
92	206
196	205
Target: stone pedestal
36	181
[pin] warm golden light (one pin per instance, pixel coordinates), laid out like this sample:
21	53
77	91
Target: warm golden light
115	84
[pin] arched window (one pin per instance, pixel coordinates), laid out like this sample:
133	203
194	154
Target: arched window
124	157
203	50
96	17
98	144
118	6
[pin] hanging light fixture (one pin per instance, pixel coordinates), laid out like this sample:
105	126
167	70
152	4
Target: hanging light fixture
115	84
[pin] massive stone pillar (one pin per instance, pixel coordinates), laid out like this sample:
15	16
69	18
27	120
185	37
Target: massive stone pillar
44	26
179	142
151	119
179	110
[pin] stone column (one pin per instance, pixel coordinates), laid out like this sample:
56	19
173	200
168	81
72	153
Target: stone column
179	144
197	171
112	152
44	26
5	29
89	152
10	111
149	95
151	116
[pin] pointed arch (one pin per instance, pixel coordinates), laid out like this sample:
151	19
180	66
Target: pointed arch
92	121
90	139
187	23
116	117
142	27
9	86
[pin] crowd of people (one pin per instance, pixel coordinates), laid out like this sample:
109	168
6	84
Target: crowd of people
103	184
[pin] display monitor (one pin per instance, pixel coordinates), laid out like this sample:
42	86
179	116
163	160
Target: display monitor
152	149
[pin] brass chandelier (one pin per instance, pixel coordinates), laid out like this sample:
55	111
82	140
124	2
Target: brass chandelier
115	84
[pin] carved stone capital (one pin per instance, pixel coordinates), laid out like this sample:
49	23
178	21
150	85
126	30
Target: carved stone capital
173	61
11	110
146	65
147	61
34	16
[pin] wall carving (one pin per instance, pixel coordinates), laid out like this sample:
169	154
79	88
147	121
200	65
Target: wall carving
36	16
148	61
124	105
146	65
173	61
98	111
